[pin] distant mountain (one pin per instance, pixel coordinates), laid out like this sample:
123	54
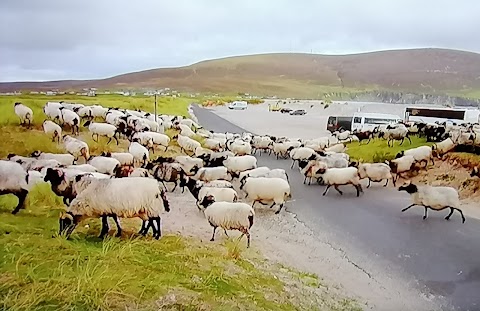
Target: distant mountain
301	75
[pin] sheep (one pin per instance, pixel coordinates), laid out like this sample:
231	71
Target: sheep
203	152
276	173
124	158
13	180
239	147
139	152
24	162
262	143
186	143
344	135
76	147
38	165
208	174
52	110
84	112
237	164
64	159
475	172
212	144
189	164
375	172
102	129
397	132
420	154
218	184
215	159
52	127
168	172
340	176
87	168
338	148
334	160
105	165
281	150
261	189
229	216
185	130
401	165
441	148
433	197
98	111
34	178
158	139
71	118
24	113
199	192
115	198
256	172
310	169
302	153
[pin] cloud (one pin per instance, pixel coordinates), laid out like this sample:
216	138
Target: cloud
50	39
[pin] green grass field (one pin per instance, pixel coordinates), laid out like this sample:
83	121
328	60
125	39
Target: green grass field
40	270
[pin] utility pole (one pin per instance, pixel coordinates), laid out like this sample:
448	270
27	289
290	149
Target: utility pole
155	109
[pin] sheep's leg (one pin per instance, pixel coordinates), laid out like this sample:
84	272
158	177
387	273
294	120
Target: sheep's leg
403	139
116	139
105	227
279	209
451	212
411	205
369	182
109	140
326	190
293	163
117	222
159	229
144	226
425	216
213	235
433	161
408	137
21	195
174	187
386	184
359	189
339	191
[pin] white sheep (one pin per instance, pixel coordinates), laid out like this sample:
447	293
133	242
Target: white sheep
212	173
239	147
87	168
337	148
341	135
262	190
302	153
76	147
441	148
54	128
276	173
13	180
185	130
256	172
98	111
220	195
186	143
436	198
229	216
124	158
340	176
396	132
420	154
123	197
71	118
34	178
105	165
237	164
375	172
139	152
158	139
203	152
212	144
189	165
262	143
24	113
218	184
102	129
401	165
38	165
52	110
85	112
64	159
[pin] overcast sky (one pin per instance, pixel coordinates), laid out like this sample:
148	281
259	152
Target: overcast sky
73	39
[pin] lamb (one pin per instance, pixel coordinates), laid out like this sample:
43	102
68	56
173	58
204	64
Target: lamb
24	113
54	128
441	148
302	153
76	147
64	159
208	174
401	165
229	216
420	154
115	198
237	164
436	198
199	192
139	152
375	172
105	165
124	158
397	132
71	118
340	176
168	172
13	180
186	143
102	129
261	189
189	165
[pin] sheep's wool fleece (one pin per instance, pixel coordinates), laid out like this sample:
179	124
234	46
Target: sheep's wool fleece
436	197
12	176
125	197
228	215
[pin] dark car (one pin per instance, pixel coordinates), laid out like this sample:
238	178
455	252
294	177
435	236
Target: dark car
298	112
286	110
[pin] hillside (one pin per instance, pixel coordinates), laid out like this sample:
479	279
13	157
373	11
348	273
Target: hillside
417	70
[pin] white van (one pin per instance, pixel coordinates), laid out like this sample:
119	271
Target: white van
369	121
238	105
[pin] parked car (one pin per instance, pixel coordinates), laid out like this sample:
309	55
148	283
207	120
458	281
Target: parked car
286	110
238	105
298	112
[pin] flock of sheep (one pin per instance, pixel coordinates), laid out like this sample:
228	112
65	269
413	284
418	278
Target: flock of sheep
217	172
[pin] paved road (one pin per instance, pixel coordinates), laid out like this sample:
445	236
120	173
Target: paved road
444	257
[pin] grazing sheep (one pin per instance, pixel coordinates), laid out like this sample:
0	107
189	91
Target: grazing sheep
139	152
98	111
64	159
76	147
375	172
396	132
124	158
71	118
124	197
39	165
102	129
237	164
13	180
435	198
229	216
401	165
420	154
340	176
52	127
24	113
84	112
261	189
52	110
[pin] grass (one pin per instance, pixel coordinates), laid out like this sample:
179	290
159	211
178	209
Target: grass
40	270
378	151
